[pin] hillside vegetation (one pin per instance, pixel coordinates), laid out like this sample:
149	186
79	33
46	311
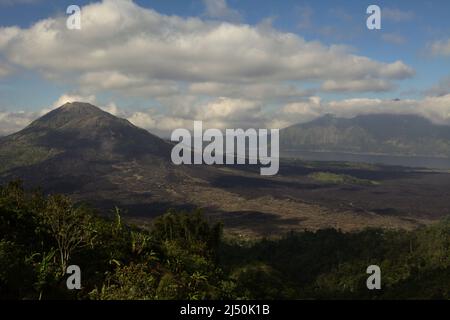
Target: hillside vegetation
333	178
183	256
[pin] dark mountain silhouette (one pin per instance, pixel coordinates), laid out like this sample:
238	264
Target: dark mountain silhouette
390	134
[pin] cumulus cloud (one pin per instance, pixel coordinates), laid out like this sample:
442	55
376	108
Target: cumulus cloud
233	113
434	108
302	111
226	73
363	85
218	113
111	107
14	121
65	98
225	113
126	84
158	123
123	46
256	91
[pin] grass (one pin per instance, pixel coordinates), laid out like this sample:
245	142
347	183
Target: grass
333	178
23	155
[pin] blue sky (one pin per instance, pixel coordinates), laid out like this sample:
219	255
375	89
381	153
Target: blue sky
416	34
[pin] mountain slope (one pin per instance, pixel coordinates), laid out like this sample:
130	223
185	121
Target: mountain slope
79	129
93	156
371	134
75	145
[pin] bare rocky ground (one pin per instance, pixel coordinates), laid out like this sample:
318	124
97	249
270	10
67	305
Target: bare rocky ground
251	205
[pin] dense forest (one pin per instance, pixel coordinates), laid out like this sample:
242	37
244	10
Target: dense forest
185	256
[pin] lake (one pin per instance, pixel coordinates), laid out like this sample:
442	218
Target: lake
407	161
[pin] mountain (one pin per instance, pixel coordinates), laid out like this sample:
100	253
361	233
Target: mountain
390	134
81	150
81	129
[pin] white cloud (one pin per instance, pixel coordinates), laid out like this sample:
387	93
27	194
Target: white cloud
227	74
113	109
65	98
253	91
229	109
7	34
237	113
363	85
229	113
131	85
14	121
161	124
218	113
123	46
299	111
434	108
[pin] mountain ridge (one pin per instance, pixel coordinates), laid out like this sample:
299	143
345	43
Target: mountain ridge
389	134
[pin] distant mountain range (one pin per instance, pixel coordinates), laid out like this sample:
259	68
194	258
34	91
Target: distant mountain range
406	135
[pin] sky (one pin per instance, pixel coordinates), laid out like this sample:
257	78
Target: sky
232	64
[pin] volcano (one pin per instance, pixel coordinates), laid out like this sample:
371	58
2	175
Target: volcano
81	150
80	130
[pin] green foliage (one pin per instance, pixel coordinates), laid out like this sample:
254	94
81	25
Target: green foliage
14	270
41	236
259	281
329	264
70	226
184	256
131	282
188	229
332	178
20	153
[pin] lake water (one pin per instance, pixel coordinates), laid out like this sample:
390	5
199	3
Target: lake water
423	162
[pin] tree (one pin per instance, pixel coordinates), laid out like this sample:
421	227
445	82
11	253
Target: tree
71	227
